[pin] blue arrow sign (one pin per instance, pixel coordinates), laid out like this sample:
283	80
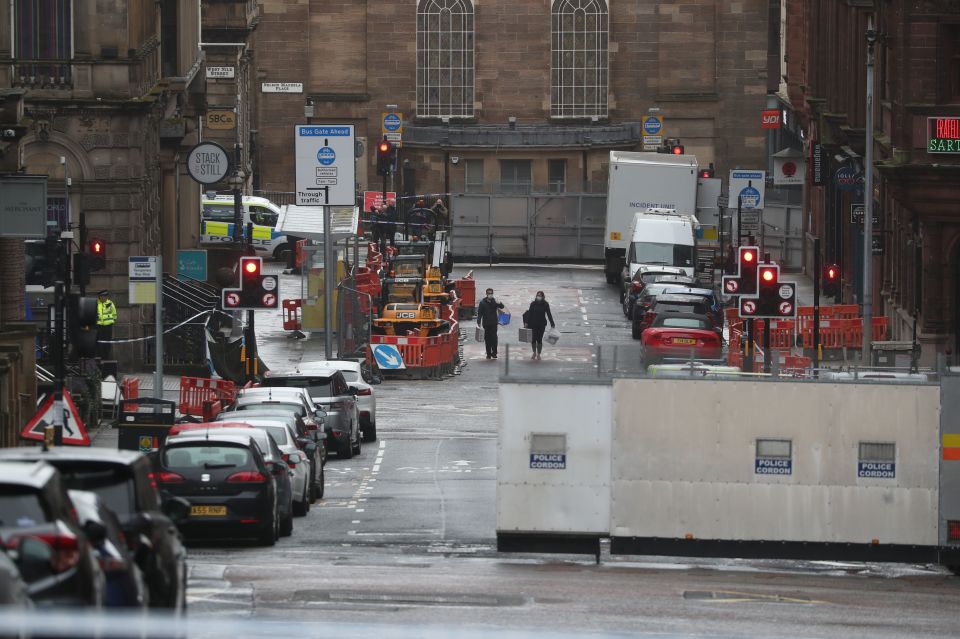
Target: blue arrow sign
388	356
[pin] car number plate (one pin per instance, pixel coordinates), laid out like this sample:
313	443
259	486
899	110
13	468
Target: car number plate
684	340
208	511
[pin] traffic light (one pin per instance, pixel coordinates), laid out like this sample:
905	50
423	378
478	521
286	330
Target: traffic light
81	317
96	254
749	257
384	158
775	299
707	172
677	149
257	291
831	280
671	145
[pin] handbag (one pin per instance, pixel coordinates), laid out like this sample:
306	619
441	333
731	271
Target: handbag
553	336
479	334
503	317
526	335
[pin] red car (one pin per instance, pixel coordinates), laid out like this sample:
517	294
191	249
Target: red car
677	335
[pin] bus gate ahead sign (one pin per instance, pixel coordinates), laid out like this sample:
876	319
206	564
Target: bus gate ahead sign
943	135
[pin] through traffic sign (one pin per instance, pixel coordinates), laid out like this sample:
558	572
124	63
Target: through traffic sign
325	165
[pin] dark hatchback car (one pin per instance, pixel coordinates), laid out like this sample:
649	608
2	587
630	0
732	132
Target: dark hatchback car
60	566
643	279
126	482
230	487
671	303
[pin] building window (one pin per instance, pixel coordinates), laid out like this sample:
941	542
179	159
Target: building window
445	59
473	176
556	176
578	64
515	176
43	31
950	60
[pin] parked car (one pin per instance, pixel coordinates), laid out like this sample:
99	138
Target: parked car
680	335
126	587
360	378
13	589
666	303
644	301
62	570
646	275
313	416
285	435
290	414
289	501
231	488
126	482
716	307
328	390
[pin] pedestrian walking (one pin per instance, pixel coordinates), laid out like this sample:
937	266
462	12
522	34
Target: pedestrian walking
388	219
106	318
536	319
488	317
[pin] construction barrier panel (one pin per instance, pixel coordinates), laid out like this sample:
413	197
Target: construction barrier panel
291	315
194	391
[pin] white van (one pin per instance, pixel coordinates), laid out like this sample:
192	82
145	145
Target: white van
662	237
216	223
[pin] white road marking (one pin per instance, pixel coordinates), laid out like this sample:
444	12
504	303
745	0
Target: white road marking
359	510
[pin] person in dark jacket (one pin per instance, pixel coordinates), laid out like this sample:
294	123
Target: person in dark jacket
488	318
536	319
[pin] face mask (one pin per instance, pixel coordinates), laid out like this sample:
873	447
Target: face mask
490	296
539	298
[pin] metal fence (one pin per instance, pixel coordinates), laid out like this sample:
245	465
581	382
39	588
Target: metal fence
354	320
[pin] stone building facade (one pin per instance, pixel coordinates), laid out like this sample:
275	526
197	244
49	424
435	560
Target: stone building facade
916	193
520	95
113	90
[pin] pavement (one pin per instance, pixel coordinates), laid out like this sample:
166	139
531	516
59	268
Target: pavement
406	534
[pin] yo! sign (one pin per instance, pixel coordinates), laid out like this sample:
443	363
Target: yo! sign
847	179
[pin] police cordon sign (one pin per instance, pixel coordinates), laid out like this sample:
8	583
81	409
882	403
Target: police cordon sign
326	165
548	461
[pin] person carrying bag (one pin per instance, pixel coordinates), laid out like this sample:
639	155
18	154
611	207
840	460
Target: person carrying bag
536	319
488	317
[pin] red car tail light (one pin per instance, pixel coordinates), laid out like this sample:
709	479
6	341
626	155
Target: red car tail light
364	391
170	478
64	544
247	477
286	458
953	531
636	287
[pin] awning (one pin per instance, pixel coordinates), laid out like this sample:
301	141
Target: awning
306	222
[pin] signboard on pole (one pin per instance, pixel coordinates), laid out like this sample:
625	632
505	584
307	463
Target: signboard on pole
326	165
23	206
816	164
142	273
74	432
749	186
192	264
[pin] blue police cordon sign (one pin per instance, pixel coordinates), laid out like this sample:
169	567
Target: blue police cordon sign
548	461
388	356
773	466
877	470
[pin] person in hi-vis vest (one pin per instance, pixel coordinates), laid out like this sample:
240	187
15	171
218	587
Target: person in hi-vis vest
106	318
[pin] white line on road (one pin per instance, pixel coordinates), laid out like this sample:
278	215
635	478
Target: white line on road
436	482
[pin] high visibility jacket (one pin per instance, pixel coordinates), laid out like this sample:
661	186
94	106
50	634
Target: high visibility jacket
106	313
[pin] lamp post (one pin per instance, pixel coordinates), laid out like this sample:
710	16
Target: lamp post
868	205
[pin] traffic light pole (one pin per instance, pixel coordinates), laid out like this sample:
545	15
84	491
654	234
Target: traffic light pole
766	345
329	270
739	220
817	274
158	319
58	336
868	205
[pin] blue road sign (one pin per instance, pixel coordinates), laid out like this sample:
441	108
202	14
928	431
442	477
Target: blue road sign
326	156
391	122
652	124
192	264
388	356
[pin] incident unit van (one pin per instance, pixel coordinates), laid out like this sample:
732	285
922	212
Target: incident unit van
661	237
217	219
638	182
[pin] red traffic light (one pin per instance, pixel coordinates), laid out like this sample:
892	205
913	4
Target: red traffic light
831	272
768	274
677	150
250	267
748	256
97	247
384	147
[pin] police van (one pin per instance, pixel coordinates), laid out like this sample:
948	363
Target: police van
217	219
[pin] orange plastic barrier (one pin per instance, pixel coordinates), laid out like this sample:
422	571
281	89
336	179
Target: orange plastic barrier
291	315
467	290
195	391
130	387
840	333
298	255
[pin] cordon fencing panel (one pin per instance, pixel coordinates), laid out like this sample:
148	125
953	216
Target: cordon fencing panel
759	461
553	466
950	463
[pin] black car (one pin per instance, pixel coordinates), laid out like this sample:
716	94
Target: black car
125	584
672	303
286	412
62	569
232	490
126	482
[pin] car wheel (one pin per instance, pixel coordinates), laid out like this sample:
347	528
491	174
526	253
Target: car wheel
319	488
370	432
268	536
345	451
302	507
286	526
357	444
635	331
280	253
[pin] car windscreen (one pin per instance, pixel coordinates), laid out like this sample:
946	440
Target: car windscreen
281	406
683	322
279	434
114	484
316	386
20	507
660	253
673	307
207	455
651	276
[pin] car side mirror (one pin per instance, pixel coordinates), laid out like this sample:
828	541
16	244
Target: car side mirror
34	558
320	414
310	448
176	508
95	531
376	380
278	468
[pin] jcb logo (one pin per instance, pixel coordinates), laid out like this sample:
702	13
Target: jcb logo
406	315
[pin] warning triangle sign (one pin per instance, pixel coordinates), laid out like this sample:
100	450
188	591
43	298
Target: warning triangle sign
74	432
